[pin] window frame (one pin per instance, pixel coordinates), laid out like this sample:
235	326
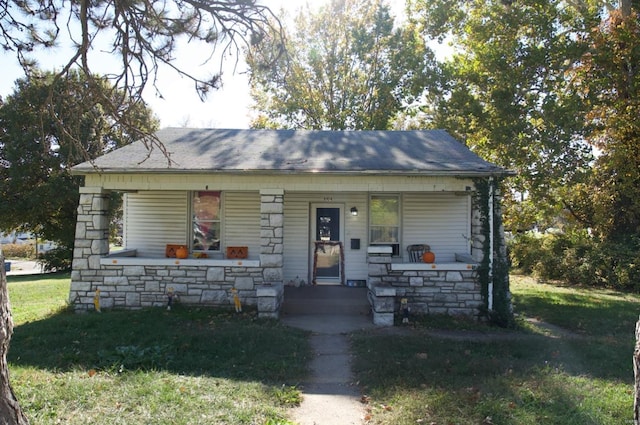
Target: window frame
193	220
395	246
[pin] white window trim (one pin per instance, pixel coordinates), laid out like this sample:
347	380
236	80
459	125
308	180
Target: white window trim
190	222
399	242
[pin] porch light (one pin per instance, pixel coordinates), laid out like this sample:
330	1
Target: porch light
354	211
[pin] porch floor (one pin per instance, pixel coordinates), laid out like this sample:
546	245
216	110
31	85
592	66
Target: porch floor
325	300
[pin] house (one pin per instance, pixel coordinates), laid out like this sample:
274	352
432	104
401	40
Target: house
260	209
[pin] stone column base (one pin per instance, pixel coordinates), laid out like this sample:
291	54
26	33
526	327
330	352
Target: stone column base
270	299
382	300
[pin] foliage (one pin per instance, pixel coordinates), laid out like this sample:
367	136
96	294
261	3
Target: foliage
609	81
39	193
57	259
141	37
503	91
353	74
577	258
288	395
22	250
494	267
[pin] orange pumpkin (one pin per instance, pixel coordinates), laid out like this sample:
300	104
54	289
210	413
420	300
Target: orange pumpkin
182	252
429	257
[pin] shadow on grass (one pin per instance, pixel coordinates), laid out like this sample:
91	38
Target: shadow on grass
592	317
527	380
187	341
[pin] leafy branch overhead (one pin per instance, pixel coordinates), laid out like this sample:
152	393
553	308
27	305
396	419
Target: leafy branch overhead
142	35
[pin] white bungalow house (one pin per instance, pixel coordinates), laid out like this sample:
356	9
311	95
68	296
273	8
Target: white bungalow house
260	209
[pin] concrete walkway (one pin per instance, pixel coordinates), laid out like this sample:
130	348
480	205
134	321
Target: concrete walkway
330	397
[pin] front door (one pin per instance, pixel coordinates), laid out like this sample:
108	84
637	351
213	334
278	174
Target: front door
327	255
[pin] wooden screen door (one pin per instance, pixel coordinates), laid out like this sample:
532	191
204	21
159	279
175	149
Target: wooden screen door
326	248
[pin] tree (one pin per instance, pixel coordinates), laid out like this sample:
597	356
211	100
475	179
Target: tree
144	35
608	78
39	126
505	92
10	410
38	193
347	68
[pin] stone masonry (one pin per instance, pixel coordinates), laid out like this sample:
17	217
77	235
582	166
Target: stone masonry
91	244
127	286
452	292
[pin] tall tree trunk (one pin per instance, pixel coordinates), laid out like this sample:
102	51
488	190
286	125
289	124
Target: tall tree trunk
10	411
625	7
636	373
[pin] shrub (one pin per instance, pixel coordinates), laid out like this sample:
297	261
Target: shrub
14	250
57	259
577	258
524	251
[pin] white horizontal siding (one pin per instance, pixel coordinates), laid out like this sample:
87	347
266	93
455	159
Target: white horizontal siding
296	237
154	219
242	221
356	266
441	220
297	246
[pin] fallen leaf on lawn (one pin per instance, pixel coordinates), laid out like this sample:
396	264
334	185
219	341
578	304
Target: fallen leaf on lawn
92	373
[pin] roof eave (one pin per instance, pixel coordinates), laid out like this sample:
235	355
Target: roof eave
498	172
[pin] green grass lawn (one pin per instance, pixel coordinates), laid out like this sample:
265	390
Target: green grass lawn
186	366
205	366
515	377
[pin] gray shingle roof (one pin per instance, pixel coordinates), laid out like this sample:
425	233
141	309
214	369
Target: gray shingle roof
432	152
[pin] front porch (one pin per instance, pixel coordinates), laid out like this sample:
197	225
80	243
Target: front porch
123	279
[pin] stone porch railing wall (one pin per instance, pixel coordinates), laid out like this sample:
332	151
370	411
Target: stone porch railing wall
450	289
133	283
444	290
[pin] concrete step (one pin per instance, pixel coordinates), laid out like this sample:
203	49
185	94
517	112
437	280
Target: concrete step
321	299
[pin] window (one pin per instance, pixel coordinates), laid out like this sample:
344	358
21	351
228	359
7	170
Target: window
384	221
205	210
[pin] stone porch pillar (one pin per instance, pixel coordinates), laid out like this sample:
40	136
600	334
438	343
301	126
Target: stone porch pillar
91	244
271	252
381	294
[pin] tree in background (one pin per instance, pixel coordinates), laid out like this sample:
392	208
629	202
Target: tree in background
549	88
142	36
347	67
40	125
505	91
609	81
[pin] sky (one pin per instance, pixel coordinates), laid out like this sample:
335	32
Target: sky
180	105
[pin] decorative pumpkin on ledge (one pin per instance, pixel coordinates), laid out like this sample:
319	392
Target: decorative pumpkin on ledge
428	256
182	252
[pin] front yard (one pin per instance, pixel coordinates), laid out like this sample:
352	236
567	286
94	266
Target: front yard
472	374
192	366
